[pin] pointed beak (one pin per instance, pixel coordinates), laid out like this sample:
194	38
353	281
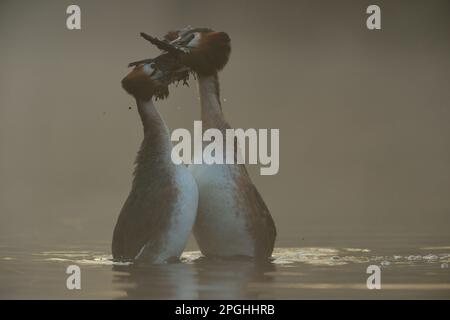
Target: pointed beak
136	63
162	45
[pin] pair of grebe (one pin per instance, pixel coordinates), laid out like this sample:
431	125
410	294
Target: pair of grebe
218	202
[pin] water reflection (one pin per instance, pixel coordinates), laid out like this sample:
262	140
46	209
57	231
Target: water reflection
197	279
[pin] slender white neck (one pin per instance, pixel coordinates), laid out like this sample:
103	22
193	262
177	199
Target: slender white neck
156	132
211	109
150	117
154	154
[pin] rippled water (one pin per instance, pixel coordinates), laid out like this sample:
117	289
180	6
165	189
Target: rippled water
325	272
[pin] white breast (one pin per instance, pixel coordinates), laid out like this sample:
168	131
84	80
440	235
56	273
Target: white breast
221	227
183	215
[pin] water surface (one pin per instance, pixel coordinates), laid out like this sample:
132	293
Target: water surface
409	270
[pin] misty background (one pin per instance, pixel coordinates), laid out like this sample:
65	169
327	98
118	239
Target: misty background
364	116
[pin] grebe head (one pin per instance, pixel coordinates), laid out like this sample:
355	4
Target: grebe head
152	77
204	51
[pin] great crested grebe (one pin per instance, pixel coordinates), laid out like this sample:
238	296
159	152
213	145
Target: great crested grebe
232	218
157	217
